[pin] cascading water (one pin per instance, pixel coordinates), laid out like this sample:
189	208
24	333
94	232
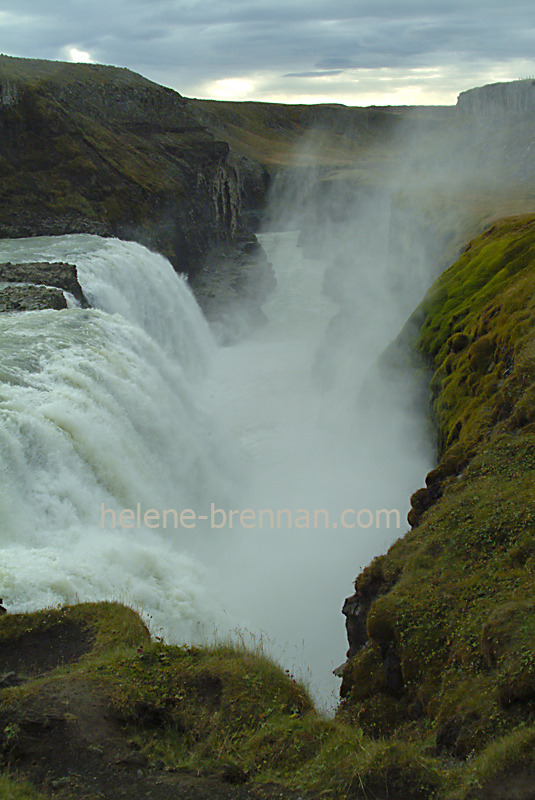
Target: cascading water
131	404
101	408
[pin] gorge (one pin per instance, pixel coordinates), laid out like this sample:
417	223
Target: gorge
303	394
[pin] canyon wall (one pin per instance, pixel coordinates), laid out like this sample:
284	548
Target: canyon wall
514	97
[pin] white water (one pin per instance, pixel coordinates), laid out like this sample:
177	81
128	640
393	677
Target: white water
97	409
132	402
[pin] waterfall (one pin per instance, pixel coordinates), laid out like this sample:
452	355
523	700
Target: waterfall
130	406
103	406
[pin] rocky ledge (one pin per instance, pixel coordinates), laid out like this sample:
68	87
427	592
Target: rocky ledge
38	285
231	287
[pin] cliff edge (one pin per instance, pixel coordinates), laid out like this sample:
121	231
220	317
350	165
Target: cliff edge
511	98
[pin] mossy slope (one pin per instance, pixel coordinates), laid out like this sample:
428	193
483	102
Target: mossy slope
450	657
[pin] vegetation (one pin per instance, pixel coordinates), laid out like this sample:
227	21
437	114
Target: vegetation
440	701
90	673
278	135
16	788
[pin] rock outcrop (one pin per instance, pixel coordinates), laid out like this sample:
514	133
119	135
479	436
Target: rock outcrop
37	285
31	298
45	273
231	286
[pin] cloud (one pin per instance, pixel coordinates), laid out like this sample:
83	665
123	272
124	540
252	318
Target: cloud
313	73
334	63
79	56
189	44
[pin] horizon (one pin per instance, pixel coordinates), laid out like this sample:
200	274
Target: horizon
267	102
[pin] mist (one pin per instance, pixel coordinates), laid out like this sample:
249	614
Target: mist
327	401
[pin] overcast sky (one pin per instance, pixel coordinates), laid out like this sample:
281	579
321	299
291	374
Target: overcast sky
359	52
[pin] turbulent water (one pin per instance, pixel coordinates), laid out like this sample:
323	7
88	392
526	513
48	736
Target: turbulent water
131	405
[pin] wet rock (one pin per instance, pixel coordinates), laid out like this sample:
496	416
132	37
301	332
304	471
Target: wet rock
231	287
44	273
31	298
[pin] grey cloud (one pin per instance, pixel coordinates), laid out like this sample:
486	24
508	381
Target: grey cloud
334	63
313	73
198	41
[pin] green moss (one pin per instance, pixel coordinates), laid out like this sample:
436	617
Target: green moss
503	759
205	703
110	624
366	673
221	711
17	788
484	302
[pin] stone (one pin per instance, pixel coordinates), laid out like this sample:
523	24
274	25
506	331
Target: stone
54	274
31	298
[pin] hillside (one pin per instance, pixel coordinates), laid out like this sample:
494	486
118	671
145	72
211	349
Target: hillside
86	148
271	133
96	149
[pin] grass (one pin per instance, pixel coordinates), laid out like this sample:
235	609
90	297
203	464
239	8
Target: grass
35	71
509	755
232	713
111	624
221	710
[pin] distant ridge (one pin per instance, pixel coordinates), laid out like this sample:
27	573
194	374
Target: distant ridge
23	70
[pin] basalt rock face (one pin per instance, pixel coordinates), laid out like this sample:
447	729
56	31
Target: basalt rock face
31	298
93	149
45	273
230	288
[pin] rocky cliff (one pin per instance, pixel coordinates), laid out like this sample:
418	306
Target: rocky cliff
94	149
513	97
87	148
